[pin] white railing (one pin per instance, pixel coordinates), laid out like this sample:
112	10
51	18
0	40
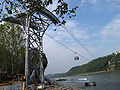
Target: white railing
17	86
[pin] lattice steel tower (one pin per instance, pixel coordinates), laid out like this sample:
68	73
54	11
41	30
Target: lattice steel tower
35	27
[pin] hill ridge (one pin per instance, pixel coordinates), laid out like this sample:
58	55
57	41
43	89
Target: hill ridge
106	63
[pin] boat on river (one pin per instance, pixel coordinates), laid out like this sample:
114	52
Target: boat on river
87	82
90	83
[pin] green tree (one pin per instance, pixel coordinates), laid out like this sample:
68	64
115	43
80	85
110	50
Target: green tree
45	61
36	59
10	7
12	47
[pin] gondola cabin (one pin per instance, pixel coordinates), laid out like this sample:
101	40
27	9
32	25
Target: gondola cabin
76	58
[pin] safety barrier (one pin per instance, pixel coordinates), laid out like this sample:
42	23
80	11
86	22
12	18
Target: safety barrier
17	86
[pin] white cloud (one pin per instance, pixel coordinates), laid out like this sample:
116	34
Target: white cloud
101	4
75	28
107	41
112	29
93	1
83	2
53	6
114	3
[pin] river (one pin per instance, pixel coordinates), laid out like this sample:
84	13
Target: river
104	81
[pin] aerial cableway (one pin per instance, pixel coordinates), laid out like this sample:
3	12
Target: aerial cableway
76	53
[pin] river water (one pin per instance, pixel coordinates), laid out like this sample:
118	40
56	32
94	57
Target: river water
104	81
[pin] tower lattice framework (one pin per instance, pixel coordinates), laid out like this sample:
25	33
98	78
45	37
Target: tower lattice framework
34	27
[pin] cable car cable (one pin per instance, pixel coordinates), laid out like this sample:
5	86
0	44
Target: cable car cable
74	37
65	46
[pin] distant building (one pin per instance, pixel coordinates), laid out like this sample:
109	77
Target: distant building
111	66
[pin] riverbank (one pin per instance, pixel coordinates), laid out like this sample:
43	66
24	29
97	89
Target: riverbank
91	73
54	87
61	87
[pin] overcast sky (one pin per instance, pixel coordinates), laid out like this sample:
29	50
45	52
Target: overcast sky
97	26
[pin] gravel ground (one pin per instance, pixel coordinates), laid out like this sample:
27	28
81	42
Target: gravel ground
60	87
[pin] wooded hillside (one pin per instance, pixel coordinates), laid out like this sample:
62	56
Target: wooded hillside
106	63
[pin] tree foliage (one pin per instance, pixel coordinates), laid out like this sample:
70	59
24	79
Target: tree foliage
12	7
12	49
